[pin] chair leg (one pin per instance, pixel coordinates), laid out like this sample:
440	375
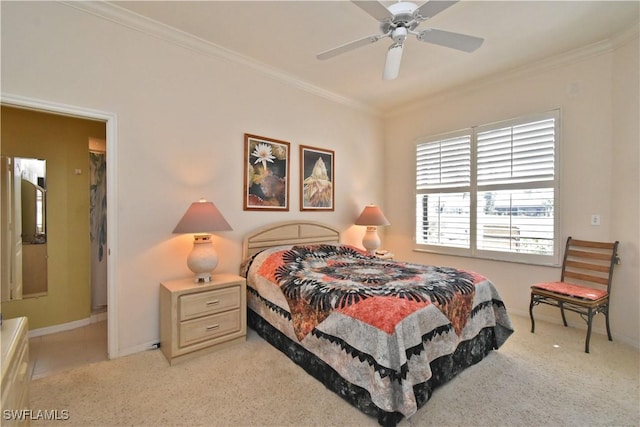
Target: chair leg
589	321
533	322
564	319
606	317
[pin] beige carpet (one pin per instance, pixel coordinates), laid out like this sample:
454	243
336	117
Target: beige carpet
534	379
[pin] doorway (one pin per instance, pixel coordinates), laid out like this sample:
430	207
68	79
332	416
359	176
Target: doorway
109	121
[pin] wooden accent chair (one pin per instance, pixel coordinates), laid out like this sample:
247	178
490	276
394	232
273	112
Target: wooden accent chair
585	283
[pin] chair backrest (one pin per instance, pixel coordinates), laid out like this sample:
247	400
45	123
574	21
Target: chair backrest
589	263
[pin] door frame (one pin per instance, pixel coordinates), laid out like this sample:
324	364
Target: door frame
111	124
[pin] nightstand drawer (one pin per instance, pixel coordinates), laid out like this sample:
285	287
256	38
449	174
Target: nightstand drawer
209	302
210	327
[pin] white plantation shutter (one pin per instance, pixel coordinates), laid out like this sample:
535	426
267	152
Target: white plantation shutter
443	173
491	191
520	221
443	219
515	154
445	163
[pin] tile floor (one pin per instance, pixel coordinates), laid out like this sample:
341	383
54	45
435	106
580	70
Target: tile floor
66	350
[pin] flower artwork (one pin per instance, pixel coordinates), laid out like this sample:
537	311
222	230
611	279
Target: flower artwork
317	175
266	173
263	152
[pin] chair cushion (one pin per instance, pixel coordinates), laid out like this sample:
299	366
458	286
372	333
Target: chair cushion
572	290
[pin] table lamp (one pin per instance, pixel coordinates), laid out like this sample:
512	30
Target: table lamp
371	216
201	218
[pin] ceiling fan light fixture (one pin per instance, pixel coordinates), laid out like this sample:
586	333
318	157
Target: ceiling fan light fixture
399	35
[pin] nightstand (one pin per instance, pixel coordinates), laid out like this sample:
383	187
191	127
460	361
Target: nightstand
198	318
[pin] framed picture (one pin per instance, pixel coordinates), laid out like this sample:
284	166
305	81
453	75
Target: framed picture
317	169
266	174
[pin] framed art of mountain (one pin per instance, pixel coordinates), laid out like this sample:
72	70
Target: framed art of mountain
317	185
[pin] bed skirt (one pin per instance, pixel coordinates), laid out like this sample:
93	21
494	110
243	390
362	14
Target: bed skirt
443	368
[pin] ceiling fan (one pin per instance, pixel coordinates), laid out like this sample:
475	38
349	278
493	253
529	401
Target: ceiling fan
397	22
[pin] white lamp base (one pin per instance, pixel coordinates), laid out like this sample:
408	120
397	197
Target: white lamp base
371	241
203	258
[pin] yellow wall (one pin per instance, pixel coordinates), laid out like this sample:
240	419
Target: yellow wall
63	142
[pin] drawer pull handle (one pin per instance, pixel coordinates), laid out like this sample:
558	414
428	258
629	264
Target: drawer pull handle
214	302
212	327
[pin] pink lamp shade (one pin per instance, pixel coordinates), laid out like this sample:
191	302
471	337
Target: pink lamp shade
371	216
202	218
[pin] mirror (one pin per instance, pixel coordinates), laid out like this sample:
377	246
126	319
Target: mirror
24	228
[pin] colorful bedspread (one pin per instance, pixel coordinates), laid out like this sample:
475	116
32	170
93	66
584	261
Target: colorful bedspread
378	323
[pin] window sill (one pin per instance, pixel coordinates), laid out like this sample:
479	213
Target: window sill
495	258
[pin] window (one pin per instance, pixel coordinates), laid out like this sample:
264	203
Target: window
490	191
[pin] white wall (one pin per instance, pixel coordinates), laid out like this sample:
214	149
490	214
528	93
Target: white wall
625	185
181	119
598	98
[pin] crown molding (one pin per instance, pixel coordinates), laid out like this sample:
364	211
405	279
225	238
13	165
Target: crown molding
626	36
529	69
134	21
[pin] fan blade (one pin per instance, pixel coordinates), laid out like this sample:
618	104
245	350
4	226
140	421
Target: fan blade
392	66
449	39
375	9
349	46
432	8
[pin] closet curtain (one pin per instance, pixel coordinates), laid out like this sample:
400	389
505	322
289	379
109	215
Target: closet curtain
98	226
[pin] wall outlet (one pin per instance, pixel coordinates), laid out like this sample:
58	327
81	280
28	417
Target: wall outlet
595	219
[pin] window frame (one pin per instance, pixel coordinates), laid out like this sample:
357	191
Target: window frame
473	189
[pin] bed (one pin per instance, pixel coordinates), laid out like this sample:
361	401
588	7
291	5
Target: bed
382	334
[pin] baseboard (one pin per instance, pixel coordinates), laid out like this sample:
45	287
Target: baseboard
98	317
95	318
152	345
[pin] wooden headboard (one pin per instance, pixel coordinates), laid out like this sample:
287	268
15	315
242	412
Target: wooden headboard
288	233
